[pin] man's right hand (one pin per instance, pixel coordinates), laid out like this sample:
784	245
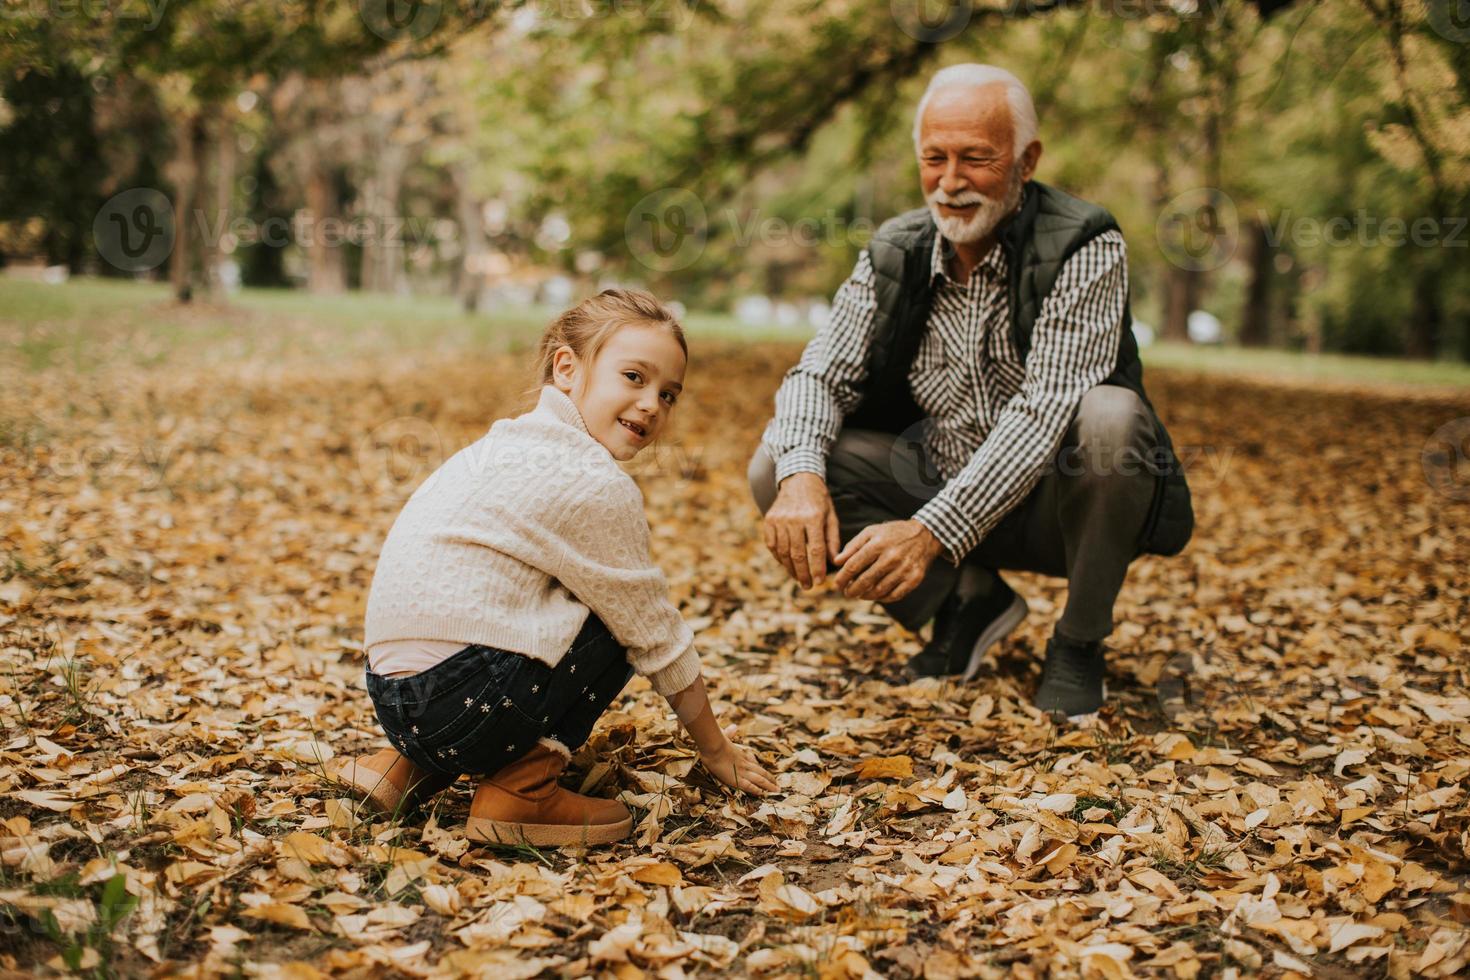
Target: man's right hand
801	528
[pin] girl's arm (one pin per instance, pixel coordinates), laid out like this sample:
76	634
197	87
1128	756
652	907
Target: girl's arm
733	765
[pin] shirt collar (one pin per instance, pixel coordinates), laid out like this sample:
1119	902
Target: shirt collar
555	401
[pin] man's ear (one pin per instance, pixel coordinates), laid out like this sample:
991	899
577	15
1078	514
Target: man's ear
1029	158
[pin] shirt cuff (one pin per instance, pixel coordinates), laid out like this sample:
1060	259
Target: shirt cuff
951	526
677	675
802	459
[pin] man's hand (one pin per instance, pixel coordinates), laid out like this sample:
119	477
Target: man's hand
885	562
801	528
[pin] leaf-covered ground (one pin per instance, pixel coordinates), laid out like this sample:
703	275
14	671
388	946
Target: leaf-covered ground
1278	784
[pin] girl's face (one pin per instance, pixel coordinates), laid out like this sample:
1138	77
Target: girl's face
626	393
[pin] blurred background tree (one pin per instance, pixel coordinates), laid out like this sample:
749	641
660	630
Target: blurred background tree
1296	172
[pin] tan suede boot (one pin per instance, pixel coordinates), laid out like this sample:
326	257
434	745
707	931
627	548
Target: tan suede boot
522	804
389	782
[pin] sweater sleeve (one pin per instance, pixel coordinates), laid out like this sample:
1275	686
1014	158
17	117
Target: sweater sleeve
606	565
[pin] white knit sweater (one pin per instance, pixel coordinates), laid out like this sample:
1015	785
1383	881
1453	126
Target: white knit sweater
515	537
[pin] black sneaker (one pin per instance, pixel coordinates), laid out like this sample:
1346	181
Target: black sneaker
964	629
1072	686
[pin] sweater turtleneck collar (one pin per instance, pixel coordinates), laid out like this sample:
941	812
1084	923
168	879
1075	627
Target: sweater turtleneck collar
556	401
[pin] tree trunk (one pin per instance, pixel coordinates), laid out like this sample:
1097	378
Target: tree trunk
1181	296
326	273
1255	324
472	239
187	260
1425	322
382	253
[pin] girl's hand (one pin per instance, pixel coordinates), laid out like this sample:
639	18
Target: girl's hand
736	767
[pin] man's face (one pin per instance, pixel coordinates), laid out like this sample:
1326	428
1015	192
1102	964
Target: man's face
967	161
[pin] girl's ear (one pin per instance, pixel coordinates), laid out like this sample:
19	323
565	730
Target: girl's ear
564	365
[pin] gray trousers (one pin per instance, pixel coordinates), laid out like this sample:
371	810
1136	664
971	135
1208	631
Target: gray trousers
1083	520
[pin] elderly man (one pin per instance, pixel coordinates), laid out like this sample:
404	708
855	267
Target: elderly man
976	403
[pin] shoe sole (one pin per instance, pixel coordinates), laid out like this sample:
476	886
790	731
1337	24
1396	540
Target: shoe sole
545	834
998	630
1079	720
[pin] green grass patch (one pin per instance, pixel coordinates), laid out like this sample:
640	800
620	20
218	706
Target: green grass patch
87	323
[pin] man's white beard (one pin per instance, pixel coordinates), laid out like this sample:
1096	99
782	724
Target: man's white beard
989	213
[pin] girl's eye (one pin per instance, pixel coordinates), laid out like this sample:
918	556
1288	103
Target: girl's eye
631	375
670	397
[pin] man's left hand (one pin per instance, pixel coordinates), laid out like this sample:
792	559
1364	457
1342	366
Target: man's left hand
885	562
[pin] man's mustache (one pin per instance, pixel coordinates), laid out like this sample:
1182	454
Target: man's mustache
958	200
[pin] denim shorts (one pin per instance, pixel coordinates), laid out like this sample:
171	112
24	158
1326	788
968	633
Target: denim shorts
484	708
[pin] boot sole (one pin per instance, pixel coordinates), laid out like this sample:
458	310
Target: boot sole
998	630
546	834
1083	720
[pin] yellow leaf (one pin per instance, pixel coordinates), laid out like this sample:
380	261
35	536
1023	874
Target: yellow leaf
45	799
282	915
1060	859
662	873
305	846
188	872
894	767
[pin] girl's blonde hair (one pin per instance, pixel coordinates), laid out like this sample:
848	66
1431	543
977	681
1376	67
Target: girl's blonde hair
586	327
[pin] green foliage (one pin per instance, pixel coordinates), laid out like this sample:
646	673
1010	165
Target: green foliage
789	126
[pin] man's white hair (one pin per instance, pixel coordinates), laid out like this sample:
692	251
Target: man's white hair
1023	112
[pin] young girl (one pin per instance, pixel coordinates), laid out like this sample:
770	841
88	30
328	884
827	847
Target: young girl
515	596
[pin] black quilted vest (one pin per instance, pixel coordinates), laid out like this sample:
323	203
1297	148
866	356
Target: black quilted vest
1050	226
